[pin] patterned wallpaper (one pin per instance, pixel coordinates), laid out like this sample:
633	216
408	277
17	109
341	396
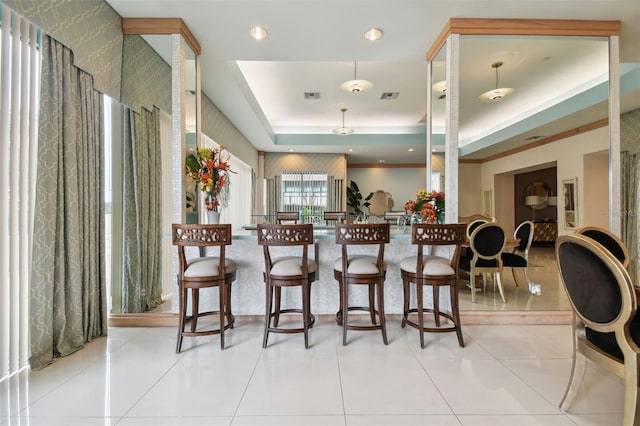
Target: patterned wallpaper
90	28
220	129
630	132
334	164
146	77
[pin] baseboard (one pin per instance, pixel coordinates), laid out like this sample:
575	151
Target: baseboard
466	317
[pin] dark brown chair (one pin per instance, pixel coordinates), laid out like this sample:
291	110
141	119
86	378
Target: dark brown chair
335	217
287	271
609	240
361	270
200	272
606	328
292	217
487	243
435	271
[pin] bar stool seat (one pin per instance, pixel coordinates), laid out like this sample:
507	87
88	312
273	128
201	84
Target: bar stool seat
200	272
435	271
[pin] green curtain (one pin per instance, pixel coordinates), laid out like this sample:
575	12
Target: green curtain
141	283
630	172
68	288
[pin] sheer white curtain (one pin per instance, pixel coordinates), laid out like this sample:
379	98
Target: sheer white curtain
238	212
19	86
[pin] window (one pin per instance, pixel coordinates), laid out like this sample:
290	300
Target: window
306	193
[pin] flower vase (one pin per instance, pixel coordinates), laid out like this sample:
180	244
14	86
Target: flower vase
213	217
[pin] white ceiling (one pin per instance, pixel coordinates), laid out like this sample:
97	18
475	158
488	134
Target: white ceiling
313	45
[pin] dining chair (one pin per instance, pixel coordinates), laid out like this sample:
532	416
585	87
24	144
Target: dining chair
435	271
201	271
471	226
486	243
519	257
609	240
362	269
286	271
335	217
606	327
289	217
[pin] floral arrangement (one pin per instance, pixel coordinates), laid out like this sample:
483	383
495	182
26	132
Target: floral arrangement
428	205
210	168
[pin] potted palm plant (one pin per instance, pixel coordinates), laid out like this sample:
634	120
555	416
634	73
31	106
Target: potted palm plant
355	200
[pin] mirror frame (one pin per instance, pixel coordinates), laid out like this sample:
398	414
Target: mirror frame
449	38
181	40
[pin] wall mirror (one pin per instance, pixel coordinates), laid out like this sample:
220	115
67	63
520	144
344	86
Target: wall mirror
164	47
522	80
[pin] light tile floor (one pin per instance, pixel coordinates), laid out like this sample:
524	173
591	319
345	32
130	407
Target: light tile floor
506	375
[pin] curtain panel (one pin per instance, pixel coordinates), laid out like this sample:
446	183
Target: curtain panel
68	286
142	250
630	173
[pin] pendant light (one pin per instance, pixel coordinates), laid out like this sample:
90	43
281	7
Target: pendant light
356	86
497	93
343	131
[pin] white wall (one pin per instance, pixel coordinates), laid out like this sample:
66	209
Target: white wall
401	183
567	153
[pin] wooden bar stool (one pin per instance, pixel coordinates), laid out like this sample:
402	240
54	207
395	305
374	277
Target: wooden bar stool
287	217
361	270
203	272
435	271
287	271
336	217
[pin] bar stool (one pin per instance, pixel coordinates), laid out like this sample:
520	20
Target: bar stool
361	270
287	217
337	217
203	272
287	271
435	271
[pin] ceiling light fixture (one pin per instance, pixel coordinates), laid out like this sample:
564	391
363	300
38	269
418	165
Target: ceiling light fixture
373	34
497	93
258	33
343	131
356	86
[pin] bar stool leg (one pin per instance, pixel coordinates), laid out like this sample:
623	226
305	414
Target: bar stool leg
436	305
383	323
345	310
305	313
222	292
372	310
228	305
406	296
277	296
419	295
267	319
183	312
195	300
455	312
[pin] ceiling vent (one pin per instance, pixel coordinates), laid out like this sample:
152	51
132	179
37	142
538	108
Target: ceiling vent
533	138
389	95
312	95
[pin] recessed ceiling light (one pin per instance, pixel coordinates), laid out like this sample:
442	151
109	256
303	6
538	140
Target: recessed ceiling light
381	161
411	150
373	34
350	149
258	33
290	149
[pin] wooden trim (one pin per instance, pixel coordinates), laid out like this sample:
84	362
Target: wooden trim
387	166
261	153
516	317
143	320
566	134
466	317
558	27
161	26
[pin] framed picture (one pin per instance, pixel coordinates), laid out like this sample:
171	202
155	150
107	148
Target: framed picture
570	190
